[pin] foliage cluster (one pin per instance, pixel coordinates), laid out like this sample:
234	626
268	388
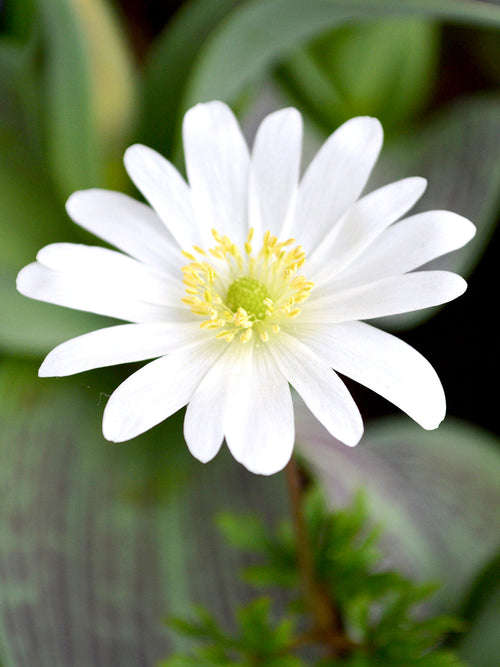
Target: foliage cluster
378	614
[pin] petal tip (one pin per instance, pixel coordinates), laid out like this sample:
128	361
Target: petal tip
44	370
24	279
113	427
265	471
355	440
131	153
111	433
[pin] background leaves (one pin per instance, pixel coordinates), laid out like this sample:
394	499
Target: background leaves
436	494
99	543
63	126
240	49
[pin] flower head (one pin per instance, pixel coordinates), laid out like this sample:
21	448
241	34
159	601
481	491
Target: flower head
248	280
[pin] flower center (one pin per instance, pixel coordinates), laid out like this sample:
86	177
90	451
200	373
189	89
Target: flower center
242	293
249	294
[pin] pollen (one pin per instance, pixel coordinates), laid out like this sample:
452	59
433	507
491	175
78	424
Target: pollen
239	293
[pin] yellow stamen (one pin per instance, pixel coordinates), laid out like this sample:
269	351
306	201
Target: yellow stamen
236	292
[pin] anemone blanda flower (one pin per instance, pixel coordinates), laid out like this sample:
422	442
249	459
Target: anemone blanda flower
245	281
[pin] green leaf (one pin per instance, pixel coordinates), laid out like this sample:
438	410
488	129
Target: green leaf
377	609
380	68
258	34
19	91
100	542
261	639
30	215
243	532
435	493
89	88
31	209
168	66
216	49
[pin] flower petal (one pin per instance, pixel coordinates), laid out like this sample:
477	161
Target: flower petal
156	391
203	423
274	171
217	162
384	364
120	344
322	390
335	179
111	268
127	224
258	415
166	191
407	245
84	290
361	224
389	296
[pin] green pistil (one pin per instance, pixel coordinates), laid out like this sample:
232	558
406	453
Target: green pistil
249	294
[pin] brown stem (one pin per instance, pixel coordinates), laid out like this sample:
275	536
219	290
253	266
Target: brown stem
327	626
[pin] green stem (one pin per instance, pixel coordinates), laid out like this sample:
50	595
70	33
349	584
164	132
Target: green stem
327	624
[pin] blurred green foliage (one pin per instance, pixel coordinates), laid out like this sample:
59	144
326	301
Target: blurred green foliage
385	69
374	607
97	543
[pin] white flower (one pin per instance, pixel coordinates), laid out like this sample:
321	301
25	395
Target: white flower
245	282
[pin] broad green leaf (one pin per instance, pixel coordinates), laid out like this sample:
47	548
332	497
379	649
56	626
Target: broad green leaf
30	213
99	542
215	49
31	216
19	85
260	33
435	493
31	209
168	67
383	68
89	91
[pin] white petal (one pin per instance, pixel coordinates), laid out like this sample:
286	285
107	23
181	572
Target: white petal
322	390
156	391
166	190
89	293
111	268
258	415
361	224
217	162
274	171
389	296
127	224
119	345
203	424
335	179
409	244
386	365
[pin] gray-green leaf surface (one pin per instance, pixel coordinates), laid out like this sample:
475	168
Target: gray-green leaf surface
99	543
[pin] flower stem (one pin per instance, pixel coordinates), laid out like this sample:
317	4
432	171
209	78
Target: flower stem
327	624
